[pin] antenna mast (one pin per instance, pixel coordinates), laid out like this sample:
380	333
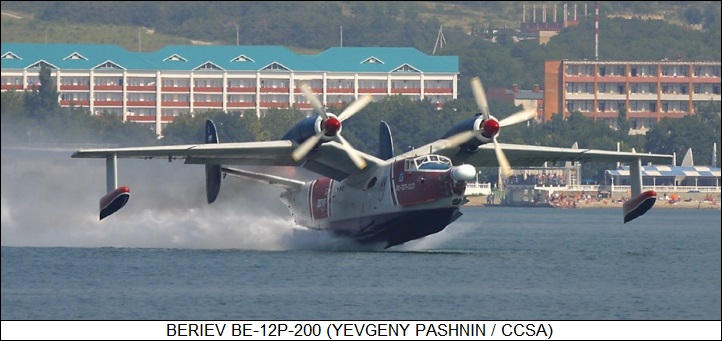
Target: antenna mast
440	40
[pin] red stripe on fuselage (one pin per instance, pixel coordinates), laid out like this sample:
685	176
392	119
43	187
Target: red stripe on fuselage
319	198
392	169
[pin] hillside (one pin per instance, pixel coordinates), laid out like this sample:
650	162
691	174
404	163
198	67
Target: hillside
313	25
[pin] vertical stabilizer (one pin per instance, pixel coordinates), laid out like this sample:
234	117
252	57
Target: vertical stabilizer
386	143
213	172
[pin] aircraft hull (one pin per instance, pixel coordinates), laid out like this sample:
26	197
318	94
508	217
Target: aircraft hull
396	228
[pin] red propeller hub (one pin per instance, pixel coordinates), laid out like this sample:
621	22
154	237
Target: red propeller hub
490	127
331	126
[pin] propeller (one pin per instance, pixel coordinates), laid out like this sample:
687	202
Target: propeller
489	128
331	127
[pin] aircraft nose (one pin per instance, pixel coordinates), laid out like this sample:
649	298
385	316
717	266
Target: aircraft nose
463	173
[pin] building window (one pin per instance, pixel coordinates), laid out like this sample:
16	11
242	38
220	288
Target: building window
684	106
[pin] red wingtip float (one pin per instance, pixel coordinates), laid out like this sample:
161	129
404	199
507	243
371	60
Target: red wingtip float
639	205
113	201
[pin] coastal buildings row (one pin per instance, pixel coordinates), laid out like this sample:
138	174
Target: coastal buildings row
647	90
154	87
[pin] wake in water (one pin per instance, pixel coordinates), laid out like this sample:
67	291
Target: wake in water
49	200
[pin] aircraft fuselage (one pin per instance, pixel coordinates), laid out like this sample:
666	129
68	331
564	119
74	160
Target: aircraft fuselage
403	200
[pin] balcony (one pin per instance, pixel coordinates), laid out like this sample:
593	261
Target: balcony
143	104
70	87
208	89
274	105
414	91
374	90
12	87
175	104
438	90
147	88
245	105
339	90
108	87
317	91
140	118
639	96
215	105
579	78
176	89
75	103
706	79
101	103
642	114
579	96
236	89
275	90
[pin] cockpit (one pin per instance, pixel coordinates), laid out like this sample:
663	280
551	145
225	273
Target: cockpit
428	163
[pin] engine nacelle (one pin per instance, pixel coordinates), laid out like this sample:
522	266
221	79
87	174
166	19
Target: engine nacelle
310	126
486	130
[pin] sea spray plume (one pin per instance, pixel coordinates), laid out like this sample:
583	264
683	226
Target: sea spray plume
49	199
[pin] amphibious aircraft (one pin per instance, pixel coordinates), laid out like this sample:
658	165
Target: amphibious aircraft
384	198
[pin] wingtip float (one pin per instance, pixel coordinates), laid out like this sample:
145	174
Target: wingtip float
113	201
639	205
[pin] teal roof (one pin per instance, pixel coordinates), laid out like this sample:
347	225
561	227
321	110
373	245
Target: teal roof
225	57
70	56
229	57
385	59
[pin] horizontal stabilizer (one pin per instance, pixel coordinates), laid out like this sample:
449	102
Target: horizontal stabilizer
113	201
286	183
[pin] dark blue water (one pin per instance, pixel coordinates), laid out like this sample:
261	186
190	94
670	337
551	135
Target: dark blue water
492	264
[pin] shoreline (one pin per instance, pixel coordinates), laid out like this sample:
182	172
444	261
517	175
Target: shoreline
698	205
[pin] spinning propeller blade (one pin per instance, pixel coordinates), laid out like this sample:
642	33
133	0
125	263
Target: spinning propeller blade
331	126
490	126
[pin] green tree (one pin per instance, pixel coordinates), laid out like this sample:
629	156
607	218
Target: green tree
623	125
42	100
692	131
693	15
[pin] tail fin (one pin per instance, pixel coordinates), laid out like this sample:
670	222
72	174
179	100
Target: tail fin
213	172
386	143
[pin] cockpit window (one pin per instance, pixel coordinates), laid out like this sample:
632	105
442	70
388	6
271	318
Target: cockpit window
432	162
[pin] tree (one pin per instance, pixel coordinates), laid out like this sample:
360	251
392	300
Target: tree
42	100
693	15
677	135
623	123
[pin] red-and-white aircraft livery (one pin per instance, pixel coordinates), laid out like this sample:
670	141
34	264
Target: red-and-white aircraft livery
382	198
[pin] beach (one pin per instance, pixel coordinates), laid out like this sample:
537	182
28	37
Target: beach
607	203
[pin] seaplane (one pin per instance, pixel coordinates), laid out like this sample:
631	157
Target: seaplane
385	198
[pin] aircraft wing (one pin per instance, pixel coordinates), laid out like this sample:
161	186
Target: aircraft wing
520	155
270	153
330	159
